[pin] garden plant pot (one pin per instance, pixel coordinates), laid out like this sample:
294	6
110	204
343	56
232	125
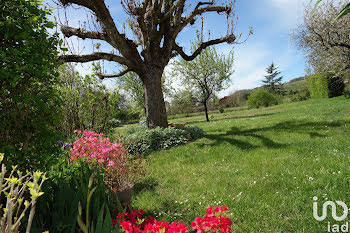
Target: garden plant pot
126	195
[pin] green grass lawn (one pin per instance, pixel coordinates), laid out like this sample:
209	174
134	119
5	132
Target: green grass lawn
266	165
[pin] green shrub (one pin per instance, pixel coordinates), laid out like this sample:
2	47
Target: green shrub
347	93
318	86
336	85
221	108
141	140
326	85
29	102
262	98
113	123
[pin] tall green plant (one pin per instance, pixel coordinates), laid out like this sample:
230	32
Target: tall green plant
318	86
104	222
29	101
65	188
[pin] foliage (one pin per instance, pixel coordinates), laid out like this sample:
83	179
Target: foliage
114	123
335	84
324	40
221	109
262	98
139	140
16	188
239	98
206	75
273	83
104	222
347	93
132	85
29	102
318	86
66	186
183	102
215	220
88	104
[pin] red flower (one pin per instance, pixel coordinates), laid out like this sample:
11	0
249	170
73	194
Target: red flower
214	221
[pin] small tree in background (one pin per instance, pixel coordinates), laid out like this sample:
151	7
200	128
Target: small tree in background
206	75
272	82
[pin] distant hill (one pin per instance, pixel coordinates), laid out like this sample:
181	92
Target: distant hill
238	98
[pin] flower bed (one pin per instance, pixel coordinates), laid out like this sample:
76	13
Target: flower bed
215	220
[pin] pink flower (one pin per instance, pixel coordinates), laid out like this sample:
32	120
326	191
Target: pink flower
96	147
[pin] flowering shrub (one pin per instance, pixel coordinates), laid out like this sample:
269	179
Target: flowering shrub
214	221
120	169
140	140
94	146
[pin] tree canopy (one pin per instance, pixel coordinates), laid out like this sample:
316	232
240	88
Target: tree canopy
323	39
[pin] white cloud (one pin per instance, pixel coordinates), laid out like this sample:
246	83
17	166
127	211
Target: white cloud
287	12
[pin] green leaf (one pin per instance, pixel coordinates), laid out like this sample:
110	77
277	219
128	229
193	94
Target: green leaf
344	12
82	225
108	225
100	220
64	49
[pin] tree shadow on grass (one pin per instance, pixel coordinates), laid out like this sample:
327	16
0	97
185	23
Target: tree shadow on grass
300	127
225	117
147	184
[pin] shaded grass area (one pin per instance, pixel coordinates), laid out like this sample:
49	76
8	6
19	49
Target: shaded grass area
266	167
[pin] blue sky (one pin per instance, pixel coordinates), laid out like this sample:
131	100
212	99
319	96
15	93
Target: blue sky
272	21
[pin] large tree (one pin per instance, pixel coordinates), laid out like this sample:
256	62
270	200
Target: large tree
156	24
206	75
323	39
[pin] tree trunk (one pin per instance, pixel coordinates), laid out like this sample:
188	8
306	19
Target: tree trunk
154	99
206	109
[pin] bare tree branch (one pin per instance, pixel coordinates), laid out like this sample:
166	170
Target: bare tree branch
83	34
93	57
121	73
199	11
178	49
126	47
